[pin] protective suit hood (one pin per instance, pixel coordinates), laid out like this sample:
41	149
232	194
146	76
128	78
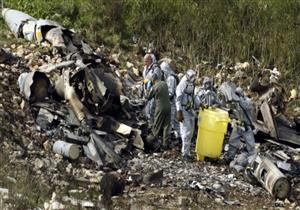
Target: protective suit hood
166	68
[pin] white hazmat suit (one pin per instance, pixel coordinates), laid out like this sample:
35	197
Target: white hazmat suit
148	71
185	105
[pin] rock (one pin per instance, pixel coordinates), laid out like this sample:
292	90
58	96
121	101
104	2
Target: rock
115	58
32	46
47	146
53	204
218	200
183	201
112	184
69	168
136	71
76	202
129	65
218	187
154	178
286	201
20	51
11	179
57	206
3	191
46	206
279	203
38	163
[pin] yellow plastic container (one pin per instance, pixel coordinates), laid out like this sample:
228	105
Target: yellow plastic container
212	126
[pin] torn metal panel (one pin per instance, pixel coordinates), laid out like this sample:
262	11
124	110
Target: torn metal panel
103	148
75	103
282	155
269	119
123	129
120	146
91	152
100	133
53	107
283	146
96	84
45	119
138	141
284	165
288	135
260	126
71	118
34	86
111	82
55	37
76	139
69	94
86	48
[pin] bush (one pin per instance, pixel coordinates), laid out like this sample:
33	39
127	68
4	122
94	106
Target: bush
203	30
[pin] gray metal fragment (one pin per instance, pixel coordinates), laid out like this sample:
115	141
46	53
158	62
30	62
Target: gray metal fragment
34	86
91	152
45	119
270	177
138	141
283	165
50	67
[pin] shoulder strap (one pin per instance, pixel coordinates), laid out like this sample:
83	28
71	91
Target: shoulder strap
247	116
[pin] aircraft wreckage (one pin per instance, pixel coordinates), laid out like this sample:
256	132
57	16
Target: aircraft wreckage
89	106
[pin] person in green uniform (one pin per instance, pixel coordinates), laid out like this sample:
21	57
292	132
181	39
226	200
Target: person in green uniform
162	116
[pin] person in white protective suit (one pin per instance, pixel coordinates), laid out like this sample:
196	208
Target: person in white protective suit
172	80
150	67
185	111
242	127
207	96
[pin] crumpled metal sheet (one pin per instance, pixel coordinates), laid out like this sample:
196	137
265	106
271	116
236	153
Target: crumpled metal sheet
34	86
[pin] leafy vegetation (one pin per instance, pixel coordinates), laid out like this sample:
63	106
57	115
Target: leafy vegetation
216	31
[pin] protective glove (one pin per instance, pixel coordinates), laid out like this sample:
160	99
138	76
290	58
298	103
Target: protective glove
144	101
179	116
203	106
149	85
214	106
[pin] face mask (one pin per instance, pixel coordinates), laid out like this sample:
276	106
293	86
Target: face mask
189	88
207	85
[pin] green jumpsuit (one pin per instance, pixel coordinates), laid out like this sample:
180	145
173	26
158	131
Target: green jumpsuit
162	116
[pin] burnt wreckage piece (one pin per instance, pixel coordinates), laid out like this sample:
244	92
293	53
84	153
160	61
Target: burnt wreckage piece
82	105
41	31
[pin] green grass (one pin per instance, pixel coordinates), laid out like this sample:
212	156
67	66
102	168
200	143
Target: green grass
213	31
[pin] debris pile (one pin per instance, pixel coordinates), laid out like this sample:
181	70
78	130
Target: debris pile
86	108
76	96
